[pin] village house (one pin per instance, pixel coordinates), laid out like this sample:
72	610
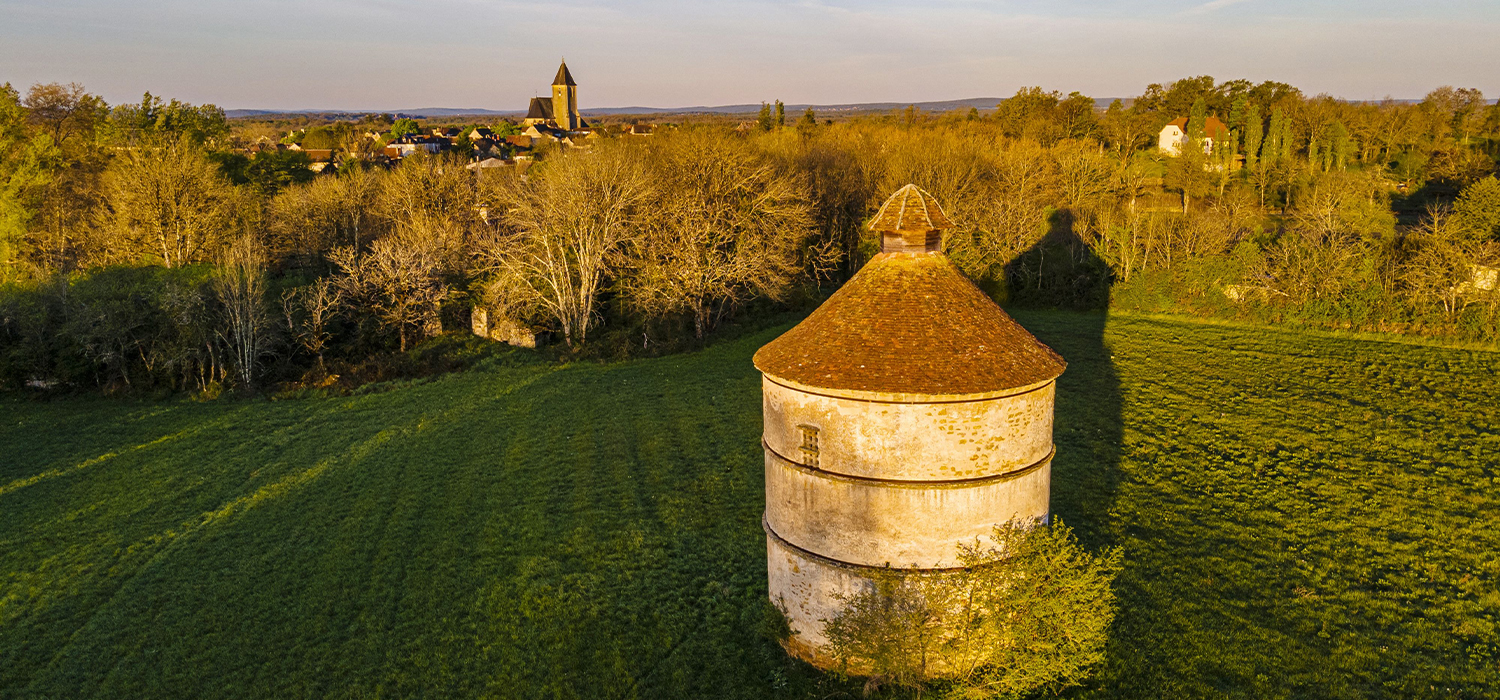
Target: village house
1174	134
406	144
322	159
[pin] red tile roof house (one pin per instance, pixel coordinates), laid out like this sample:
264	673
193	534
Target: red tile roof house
1174	134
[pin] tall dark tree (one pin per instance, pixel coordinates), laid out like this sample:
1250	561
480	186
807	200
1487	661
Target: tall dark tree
1254	131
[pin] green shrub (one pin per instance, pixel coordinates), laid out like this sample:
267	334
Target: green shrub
1031	610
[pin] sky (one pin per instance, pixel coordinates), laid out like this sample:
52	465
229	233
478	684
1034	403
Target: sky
367	55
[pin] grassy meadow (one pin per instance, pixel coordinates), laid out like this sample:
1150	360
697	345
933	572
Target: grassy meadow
1302	516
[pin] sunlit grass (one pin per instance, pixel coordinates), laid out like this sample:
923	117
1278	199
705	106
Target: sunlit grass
1302	516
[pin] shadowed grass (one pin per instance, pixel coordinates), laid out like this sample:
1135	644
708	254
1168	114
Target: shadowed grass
1302	516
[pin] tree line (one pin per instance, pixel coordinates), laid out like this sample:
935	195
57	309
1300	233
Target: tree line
142	248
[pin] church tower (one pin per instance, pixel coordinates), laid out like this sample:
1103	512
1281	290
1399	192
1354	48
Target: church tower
565	100
904	416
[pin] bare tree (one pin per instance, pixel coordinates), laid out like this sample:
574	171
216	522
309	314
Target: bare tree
241	288
724	228
399	280
327	212
566	228
1443	268
308	312
168	203
64	111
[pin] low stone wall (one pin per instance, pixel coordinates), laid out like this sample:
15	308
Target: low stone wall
501	329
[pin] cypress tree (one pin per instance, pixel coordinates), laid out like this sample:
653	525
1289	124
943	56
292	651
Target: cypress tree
763	121
1237	113
780	114
1340	146
1288	149
1195	128
1253	133
1270	151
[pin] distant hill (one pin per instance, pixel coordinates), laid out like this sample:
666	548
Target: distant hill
982	103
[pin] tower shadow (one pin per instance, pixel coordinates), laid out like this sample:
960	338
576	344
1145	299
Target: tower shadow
1059	290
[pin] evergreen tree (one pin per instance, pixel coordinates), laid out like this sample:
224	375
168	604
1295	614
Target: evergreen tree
1253	133
1478	210
1288	149
1340	146
808	120
1196	121
780	114
763	121
1270	151
1238	112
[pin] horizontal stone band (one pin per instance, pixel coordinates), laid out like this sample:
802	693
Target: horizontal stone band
859	569
916	483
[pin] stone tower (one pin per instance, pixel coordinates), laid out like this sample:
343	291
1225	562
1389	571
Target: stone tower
905	415
565	100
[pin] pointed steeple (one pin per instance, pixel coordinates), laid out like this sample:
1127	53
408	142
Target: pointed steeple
563	76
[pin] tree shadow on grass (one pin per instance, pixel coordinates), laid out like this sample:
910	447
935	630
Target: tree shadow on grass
1061	272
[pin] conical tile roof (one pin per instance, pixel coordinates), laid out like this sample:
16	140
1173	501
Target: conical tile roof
910	323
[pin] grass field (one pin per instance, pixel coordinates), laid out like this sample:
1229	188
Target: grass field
1302	516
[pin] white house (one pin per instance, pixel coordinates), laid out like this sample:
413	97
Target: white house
1174	134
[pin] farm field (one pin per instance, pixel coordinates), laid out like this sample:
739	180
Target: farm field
1302	516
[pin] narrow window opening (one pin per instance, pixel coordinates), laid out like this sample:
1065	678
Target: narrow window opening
809	445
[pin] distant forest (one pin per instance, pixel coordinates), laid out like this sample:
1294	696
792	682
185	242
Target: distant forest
160	247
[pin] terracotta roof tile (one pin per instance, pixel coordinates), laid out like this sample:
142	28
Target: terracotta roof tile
1212	127
910	210
910	323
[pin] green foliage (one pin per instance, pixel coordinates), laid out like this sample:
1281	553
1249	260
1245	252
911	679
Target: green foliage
764	121
1410	166
322	137
1300	516
780	114
140	328
1478	209
153	121
234	165
1031	112
273	171
808	121
1254	130
1340	147
404	126
27	163
1029	610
